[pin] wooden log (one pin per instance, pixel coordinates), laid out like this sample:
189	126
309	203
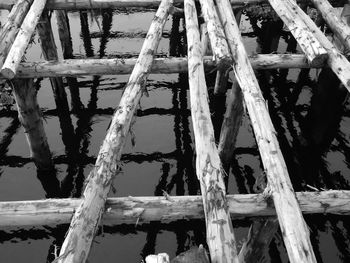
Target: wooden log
10	29
216	34
230	125
14	57
314	51
129	210
204	39
338	26
82	67
336	61
30	117
294	229
220	237
86	219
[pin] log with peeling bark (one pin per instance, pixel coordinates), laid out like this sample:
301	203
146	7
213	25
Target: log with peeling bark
30	117
86	219
82	67
294	229
216	34
338	26
10	29
220	237
336	61
129	210
314	51
14	56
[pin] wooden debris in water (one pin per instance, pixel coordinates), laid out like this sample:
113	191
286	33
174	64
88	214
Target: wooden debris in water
86	219
220	237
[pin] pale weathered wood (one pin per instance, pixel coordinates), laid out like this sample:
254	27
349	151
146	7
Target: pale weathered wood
220	237
294	229
30	117
86	219
81	67
314	51
14	56
338	26
336	61
216	34
160	258
129	210
10	29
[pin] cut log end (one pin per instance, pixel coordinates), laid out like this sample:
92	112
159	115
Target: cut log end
7	73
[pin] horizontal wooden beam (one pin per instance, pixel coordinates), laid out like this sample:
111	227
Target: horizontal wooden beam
131	210
80	67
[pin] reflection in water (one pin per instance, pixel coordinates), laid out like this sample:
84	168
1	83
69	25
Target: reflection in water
307	114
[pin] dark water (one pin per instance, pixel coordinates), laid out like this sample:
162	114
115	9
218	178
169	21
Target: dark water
311	116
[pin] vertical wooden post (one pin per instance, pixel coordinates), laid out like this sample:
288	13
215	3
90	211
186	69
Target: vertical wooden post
67	49
30	117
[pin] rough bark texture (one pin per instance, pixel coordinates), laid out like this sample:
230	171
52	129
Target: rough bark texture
14	56
216	34
336	61
312	48
338	26
81	67
10	29
30	117
220	237
294	229
86	219
129	210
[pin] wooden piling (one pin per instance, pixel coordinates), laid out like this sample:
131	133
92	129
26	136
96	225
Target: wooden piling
86	219
14	57
30	117
220	237
280	189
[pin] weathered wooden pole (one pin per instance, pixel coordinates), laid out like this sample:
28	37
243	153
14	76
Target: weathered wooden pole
11	27
145	209
30	117
216	34
280	189
336	61
338	26
314	51
82	67
220	237
14	57
87	217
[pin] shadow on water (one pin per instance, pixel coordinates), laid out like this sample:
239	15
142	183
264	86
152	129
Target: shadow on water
307	110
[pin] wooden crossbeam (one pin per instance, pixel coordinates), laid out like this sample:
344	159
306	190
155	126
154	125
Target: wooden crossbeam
131	210
81	67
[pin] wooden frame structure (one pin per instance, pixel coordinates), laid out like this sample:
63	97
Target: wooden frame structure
278	198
